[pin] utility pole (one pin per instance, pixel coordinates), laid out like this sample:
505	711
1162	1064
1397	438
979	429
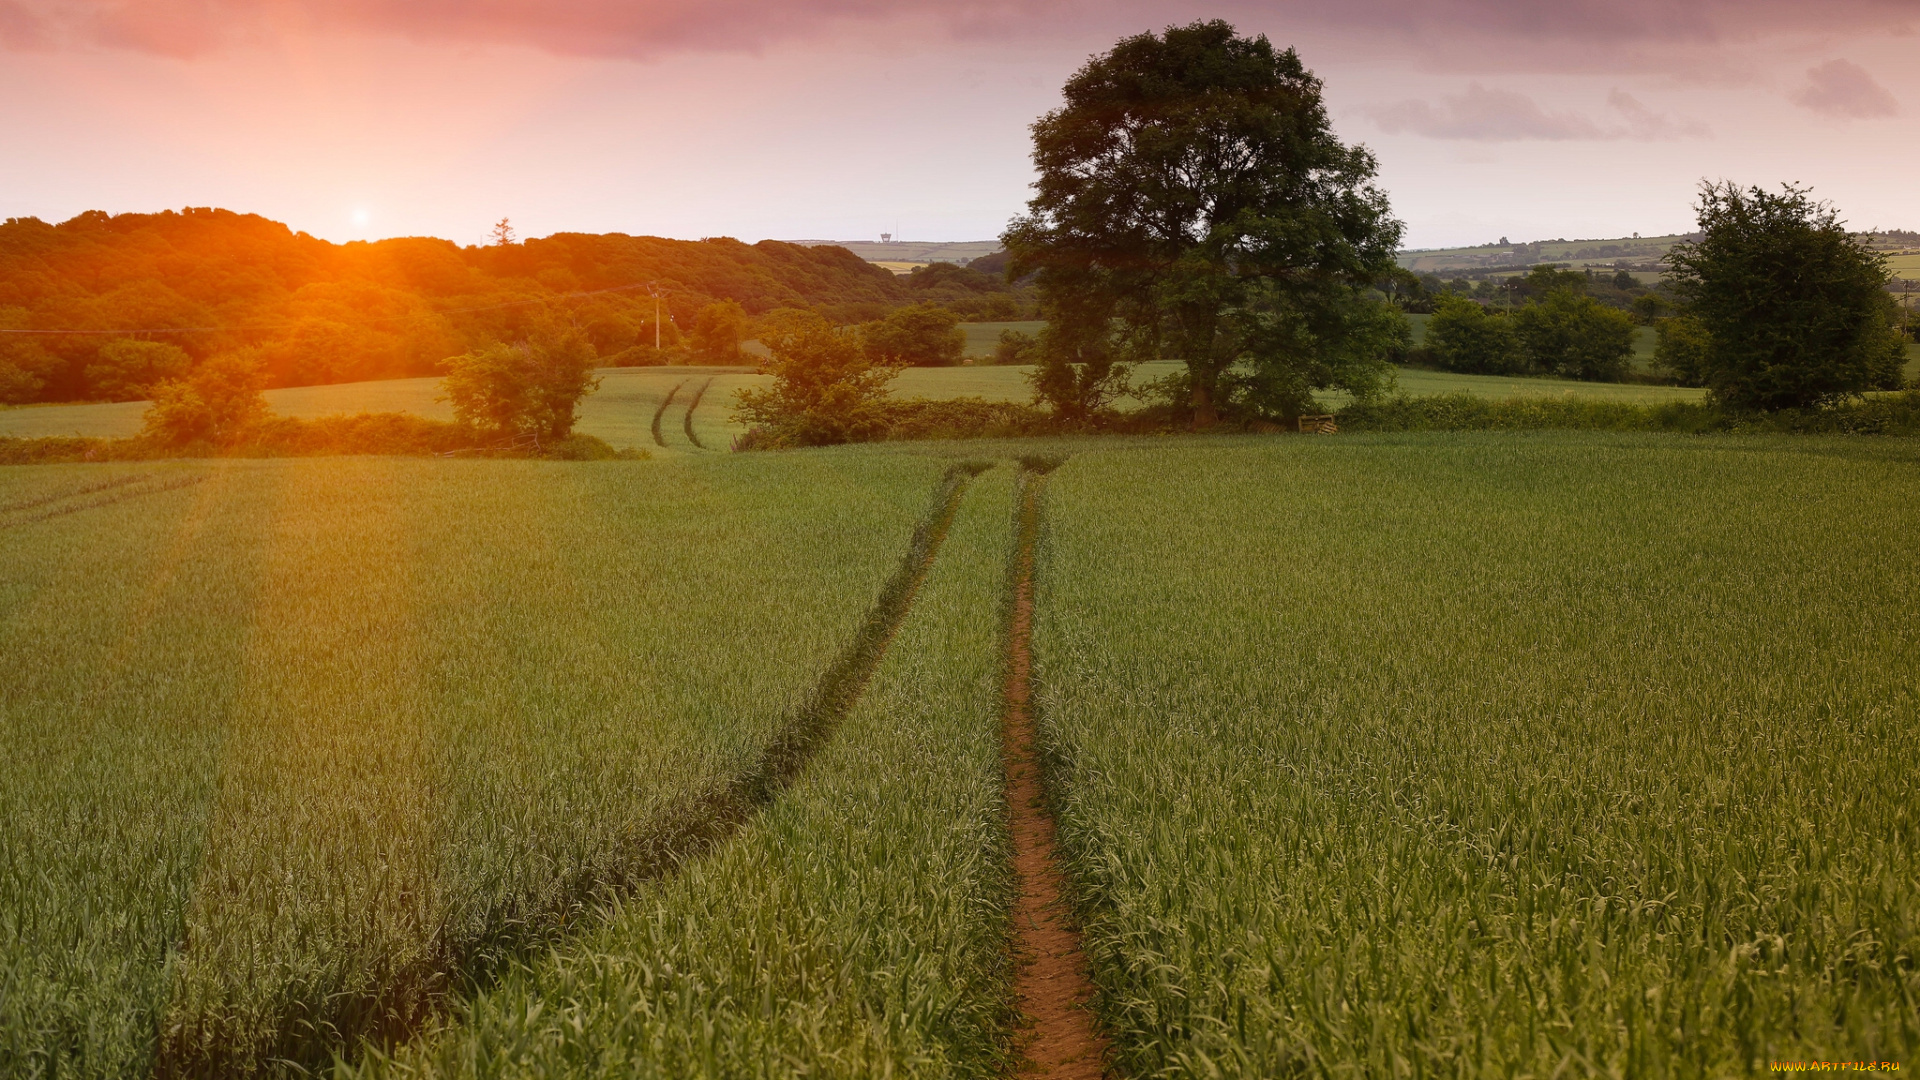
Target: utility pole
654	290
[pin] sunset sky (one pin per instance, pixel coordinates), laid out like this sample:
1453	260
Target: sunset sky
841	119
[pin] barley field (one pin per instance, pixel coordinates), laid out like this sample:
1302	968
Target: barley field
296	749
1482	754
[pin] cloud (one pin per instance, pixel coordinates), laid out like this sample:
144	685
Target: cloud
1843	89
1567	31
1484	115
20	28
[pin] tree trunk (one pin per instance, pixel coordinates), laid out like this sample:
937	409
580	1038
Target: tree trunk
1204	414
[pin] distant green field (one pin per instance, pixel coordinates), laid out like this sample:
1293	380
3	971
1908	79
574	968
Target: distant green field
623	409
983	337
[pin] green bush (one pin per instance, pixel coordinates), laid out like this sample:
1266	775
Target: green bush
214	405
1464	336
1577	336
529	390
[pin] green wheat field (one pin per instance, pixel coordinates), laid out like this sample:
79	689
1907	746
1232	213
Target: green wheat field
1467	755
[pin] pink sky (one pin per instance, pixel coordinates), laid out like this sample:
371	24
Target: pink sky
845	118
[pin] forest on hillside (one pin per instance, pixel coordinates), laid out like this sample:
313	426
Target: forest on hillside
205	281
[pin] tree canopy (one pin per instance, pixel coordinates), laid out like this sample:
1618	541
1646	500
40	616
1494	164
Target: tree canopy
1791	309
316	312
1193	203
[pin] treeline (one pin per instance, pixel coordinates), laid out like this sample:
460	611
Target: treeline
161	293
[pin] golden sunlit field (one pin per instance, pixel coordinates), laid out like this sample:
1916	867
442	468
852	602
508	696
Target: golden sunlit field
1551	748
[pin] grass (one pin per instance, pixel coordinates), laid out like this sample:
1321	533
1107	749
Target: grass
298	748
1483	754
984	337
1490	755
855	929
622	410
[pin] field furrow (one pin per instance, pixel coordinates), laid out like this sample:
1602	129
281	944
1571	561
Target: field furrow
314	744
1051	985
854	928
659	437
693	406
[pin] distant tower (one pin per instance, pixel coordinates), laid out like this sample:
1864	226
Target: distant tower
886	238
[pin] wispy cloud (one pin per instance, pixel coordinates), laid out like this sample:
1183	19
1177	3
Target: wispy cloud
1580	29
1481	114
1844	89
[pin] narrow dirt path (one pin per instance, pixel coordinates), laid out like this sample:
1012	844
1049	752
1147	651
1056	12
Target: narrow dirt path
1062	1042
658	437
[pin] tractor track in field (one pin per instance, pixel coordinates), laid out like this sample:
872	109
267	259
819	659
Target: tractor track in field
312	1039
692	405
659	437
112	491
1061	1040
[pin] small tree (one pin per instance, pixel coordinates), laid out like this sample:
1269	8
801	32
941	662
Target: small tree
1014	347
128	370
1680	349
1464	336
924	335
532	388
827	389
717	332
1794	308
1576	336
215	404
1076	375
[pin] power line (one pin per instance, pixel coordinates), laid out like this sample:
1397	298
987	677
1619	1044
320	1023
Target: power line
387	318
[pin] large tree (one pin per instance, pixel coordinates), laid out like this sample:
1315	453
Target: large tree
1194	204
1794	309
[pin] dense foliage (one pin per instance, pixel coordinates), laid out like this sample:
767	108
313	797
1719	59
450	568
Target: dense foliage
1194	204
211	281
1793	307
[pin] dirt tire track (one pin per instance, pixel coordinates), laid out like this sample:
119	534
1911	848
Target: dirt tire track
692	405
659	438
1051	984
119	495
686	831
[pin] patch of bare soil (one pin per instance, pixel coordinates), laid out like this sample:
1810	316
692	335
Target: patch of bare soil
1062	1041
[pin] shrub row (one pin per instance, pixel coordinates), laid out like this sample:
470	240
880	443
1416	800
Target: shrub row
1880	414
395	434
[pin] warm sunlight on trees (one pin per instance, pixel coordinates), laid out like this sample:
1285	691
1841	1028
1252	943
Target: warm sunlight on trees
215	404
531	389
827	388
717	332
128	370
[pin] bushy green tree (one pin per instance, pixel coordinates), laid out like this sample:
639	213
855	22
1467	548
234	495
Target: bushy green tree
1680	349
1464	336
1793	306
127	370
215	404
921	335
1015	347
1193	203
827	388
25	367
1577	336
532	388
1075	374
717	332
